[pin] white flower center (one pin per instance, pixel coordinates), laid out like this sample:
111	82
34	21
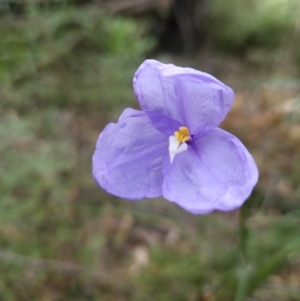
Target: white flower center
177	142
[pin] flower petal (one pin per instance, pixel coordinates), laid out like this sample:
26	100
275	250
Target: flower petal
193	98
216	172
163	123
129	155
189	183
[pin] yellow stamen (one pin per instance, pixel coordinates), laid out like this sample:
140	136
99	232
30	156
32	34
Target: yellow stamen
183	135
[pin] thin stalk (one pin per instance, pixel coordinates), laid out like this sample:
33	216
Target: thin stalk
244	273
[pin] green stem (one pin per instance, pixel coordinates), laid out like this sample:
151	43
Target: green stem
243	232
244	273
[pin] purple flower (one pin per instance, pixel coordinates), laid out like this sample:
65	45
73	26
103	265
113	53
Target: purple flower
173	147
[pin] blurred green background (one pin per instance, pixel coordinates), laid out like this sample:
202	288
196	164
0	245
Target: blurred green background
66	70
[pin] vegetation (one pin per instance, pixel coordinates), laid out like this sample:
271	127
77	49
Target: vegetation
240	24
65	72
